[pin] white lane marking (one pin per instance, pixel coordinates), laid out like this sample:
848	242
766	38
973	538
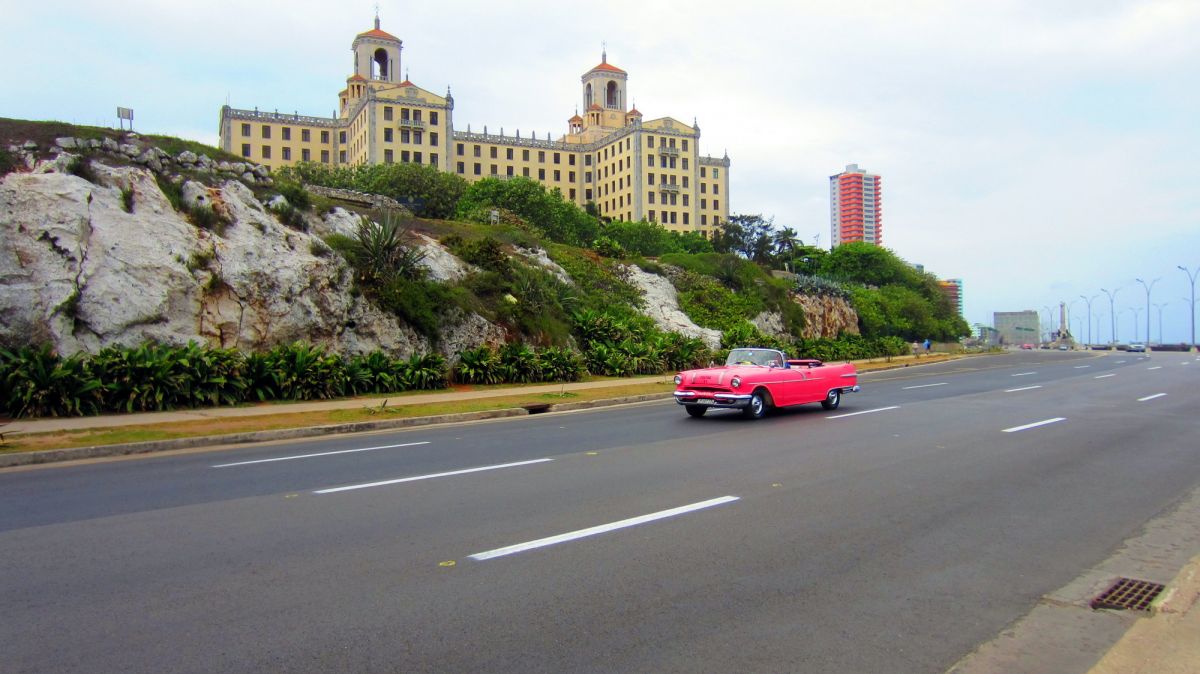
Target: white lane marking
1120	361
1035	424
925	385
1187	362
1156	367
603	528
1023	388
1022	374
1102	376
309	456
429	477
854	414
1156	395
1080	367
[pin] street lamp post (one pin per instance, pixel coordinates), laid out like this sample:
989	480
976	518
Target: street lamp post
1192	278
1160	307
1137	314
1112	313
1148	289
1049	323
1088	300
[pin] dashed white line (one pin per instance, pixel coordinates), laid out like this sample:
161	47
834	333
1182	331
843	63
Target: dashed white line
1080	367
603	528
1023	388
430	476
925	385
1102	376
1151	397
309	456
1035	424
1156	367
1120	362
854	414
1022	374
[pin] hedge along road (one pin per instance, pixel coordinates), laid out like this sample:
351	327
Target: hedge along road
891	541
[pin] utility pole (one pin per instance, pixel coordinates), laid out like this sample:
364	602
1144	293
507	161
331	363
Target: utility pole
1112	314
1085	298
1148	289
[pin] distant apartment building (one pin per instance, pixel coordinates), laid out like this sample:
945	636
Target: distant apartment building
855	207
952	288
628	167
1017	327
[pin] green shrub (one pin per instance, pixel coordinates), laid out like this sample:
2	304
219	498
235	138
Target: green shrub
479	366
290	216
38	383
173	191
296	195
519	364
8	163
82	167
206	217
127	199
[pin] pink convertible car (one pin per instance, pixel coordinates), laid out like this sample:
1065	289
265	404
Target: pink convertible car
754	380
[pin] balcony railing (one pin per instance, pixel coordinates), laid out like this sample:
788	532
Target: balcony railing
412	123
668	150
668	188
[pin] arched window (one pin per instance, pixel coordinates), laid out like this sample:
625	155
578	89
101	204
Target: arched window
610	98
381	65
587	94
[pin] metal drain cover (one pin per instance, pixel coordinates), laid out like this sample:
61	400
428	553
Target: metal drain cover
1129	594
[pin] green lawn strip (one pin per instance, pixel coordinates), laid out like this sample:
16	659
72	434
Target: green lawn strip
370	411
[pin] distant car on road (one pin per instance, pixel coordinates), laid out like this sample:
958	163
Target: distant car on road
1027	346
1140	348
1063	347
754	380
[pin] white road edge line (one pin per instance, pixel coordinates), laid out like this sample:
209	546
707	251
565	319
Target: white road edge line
854	414
925	385
414	478
1156	367
1023	388
1035	424
1102	376
1022	374
1156	395
603	528
309	456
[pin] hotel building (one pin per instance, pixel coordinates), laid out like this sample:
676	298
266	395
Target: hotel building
628	167
855	207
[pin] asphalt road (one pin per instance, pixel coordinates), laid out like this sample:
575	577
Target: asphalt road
894	534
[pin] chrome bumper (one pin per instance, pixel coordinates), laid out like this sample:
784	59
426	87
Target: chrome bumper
722	400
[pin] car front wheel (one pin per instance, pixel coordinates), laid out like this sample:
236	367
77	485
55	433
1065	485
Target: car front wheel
832	401
757	407
696	410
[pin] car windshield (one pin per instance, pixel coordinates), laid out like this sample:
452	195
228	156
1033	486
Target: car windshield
763	357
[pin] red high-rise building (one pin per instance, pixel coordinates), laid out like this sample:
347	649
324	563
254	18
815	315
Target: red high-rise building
855	210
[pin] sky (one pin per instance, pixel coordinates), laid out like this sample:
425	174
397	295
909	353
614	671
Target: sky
1039	150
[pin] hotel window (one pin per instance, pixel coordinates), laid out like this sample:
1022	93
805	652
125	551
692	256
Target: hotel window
461	150
649	178
416	115
685	164
557	175
571	176
245	149
246	130
650	160
508	154
716	205
702	172
433	139
572	194
685	181
704	203
587	176
305	155
664	217
433	158
417	157
387	135
324	156
716	173
703	188
495	170
524	155
477	151
672	217
508	170
325	137
652	218
478	168
287	154
433	117
541	174
387	113
266	131
287	133
404	114
716	188
557	158
492	152
266	152
525	171
587	160
651	197
587	195
649	141
388	158
685	202
305	136
342	137
685	215
541	157
461	169
571	159
404	156
342	156
703	219
685	147
418	136
404	135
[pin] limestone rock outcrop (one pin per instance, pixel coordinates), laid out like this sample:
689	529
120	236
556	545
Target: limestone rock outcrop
662	305
827	316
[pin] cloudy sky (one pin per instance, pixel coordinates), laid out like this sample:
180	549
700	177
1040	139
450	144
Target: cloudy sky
1038	149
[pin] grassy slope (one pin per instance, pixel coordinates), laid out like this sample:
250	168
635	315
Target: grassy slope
17	131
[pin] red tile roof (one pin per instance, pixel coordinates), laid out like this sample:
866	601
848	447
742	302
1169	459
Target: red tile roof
595	106
575	118
356	77
375	32
406	83
605	65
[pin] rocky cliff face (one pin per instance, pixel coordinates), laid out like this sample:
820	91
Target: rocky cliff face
79	270
826	316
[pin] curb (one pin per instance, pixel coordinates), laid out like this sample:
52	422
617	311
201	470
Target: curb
99	451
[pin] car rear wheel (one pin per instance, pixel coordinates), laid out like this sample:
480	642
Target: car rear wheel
757	407
832	401
696	410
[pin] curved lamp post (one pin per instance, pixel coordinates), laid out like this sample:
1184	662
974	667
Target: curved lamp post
1148	289
1192	278
1088	300
1160	307
1049	323
1112	313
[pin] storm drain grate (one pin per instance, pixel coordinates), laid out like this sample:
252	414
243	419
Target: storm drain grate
1129	594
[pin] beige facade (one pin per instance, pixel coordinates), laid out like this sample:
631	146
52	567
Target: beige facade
628	168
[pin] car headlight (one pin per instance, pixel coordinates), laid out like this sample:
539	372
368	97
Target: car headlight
735	382
678	379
